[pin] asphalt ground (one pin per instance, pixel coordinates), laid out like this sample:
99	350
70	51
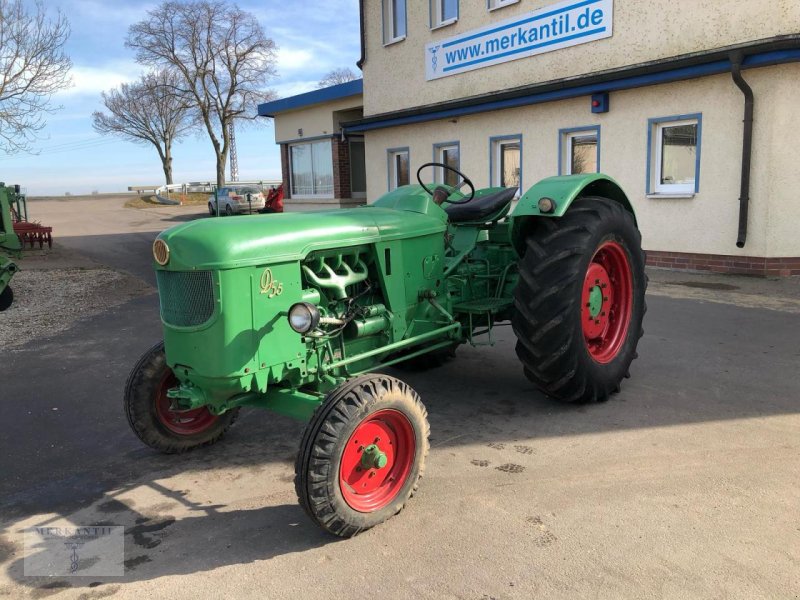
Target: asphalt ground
683	485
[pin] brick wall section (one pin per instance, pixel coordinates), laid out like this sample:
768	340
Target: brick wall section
723	263
285	170
341	168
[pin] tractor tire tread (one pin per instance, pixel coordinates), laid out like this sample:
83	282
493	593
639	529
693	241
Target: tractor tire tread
6	298
137	401
546	299
346	403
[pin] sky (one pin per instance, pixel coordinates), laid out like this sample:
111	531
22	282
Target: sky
313	37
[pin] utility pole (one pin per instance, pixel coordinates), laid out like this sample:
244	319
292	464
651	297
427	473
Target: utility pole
234	158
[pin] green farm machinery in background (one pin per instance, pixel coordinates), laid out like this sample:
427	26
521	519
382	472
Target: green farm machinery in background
295	313
10	243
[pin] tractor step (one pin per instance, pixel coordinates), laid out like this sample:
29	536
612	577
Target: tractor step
482	306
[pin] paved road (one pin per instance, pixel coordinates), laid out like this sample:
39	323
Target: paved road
683	485
101	229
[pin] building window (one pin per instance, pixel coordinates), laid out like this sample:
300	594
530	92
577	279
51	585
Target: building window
579	150
394	21
448	153
311	166
398	167
493	4
505	161
674	155
443	12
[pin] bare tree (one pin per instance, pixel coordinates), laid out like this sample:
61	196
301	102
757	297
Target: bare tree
33	66
147	112
222	56
336	77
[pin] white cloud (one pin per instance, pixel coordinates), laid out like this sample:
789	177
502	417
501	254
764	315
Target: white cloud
93	80
292	88
290	59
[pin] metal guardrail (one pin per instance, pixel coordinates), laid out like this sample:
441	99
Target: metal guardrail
208	186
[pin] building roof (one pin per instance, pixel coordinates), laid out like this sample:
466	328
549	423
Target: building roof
334	92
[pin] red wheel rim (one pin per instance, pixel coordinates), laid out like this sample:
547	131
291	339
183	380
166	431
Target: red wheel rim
607	302
181	422
367	488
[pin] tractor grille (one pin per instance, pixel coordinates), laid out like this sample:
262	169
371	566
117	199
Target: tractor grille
187	297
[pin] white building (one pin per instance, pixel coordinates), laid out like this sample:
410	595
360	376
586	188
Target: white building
652	93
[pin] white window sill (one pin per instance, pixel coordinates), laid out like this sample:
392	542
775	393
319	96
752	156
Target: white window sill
312	198
444	24
503	5
394	41
671	196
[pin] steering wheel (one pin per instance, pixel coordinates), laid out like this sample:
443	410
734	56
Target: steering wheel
464	180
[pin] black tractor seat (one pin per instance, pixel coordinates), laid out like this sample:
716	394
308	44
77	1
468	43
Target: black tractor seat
479	209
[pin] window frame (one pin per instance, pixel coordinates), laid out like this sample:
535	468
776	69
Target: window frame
436	18
388	27
495	148
310	142
351	140
391	172
438	148
565	137
655	127
498	4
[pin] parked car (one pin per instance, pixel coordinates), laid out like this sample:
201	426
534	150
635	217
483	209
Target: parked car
236	199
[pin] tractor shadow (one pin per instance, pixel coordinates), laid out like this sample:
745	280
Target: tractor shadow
159	544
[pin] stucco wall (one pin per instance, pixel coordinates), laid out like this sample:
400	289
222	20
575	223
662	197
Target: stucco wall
706	223
316	120
644	30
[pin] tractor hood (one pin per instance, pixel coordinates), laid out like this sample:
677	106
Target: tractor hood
230	242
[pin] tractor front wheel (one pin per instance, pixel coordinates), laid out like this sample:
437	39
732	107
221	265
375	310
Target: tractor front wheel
153	417
362	454
580	301
6	298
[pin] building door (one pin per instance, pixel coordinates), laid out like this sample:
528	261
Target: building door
358	169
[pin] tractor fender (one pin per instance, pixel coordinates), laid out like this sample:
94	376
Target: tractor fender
563	190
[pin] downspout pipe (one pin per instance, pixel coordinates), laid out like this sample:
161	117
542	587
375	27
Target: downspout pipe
747	146
363	59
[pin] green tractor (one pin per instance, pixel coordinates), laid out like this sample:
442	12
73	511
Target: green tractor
295	312
10	245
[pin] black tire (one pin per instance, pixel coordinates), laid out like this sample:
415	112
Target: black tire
211	210
228	210
6	298
141	393
548	301
317	469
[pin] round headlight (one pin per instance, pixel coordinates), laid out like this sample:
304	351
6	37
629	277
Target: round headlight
161	252
303	317
546	205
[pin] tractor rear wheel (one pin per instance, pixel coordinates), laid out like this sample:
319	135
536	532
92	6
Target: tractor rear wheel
362	455
153	418
6	298
580	301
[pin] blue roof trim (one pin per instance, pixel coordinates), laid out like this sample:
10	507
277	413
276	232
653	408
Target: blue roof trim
334	92
624	83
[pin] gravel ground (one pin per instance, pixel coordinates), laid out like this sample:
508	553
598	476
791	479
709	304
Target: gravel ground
47	302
